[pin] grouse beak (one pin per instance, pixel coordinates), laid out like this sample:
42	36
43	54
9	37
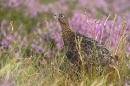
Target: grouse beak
56	16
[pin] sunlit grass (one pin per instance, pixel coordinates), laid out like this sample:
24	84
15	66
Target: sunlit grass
57	71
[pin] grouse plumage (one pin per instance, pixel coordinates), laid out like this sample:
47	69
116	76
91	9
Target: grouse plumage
81	50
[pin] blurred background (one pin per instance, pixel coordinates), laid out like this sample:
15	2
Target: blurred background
35	28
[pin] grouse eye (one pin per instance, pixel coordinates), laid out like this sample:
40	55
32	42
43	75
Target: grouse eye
62	16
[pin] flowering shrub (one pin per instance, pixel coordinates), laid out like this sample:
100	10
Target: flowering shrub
104	30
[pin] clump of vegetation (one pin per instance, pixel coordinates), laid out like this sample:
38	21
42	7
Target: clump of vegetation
31	50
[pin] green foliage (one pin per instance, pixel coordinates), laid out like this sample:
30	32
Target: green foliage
47	1
18	17
57	71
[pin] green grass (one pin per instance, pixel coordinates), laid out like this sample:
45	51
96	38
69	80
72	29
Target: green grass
31	70
47	1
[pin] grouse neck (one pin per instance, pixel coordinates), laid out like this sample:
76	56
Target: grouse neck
67	35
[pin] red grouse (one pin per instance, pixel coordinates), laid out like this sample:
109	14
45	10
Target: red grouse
81	50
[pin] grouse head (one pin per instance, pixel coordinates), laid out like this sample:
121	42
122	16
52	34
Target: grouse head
62	18
67	35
